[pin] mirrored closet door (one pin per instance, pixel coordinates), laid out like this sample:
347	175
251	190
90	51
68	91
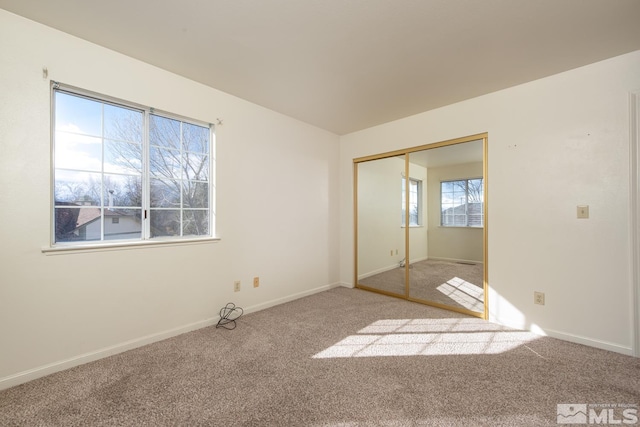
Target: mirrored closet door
420	218
380	238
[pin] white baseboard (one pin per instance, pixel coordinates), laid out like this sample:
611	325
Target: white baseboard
578	339
378	271
456	260
41	371
289	298
604	345
346	285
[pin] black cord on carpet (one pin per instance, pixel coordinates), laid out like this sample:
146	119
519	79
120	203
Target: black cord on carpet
228	316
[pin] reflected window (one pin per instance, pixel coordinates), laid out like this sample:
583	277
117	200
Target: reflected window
415	202
123	172
462	203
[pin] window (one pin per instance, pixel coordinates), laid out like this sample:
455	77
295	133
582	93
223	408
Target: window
415	202
462	203
124	172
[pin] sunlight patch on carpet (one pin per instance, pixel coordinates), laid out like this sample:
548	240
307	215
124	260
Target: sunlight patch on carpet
427	337
466	294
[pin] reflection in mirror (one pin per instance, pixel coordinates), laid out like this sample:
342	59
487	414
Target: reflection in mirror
447	255
381	243
444	195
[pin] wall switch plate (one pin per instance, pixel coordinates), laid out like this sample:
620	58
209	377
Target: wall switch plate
256	282
583	211
236	286
538	298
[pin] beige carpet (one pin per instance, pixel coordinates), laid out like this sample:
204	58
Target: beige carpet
445	282
344	357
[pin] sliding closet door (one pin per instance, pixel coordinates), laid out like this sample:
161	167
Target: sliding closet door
446	238
380	245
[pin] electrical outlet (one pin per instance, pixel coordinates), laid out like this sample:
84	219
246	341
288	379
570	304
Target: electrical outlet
538	298
236	286
256	282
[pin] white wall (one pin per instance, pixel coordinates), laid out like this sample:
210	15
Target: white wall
277	213
554	143
453	243
381	237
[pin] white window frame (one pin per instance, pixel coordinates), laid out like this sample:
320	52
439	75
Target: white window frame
145	239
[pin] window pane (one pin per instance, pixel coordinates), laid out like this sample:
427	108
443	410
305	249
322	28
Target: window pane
403	201
165	222
122	157
447	199
78	115
196	166
195	223
413	219
164	163
195	195
196	138
123	190
65	219
476	191
164	132
447	186
73	151
123	124
122	224
459	197
79	188
73	224
475	220
165	193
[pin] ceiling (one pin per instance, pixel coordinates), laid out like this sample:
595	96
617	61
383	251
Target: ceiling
346	65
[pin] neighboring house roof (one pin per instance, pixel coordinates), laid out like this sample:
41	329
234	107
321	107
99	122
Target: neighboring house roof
87	216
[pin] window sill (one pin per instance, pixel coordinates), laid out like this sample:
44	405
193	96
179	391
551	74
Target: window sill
102	247
460	226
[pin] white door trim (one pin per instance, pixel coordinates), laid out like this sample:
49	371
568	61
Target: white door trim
634	189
